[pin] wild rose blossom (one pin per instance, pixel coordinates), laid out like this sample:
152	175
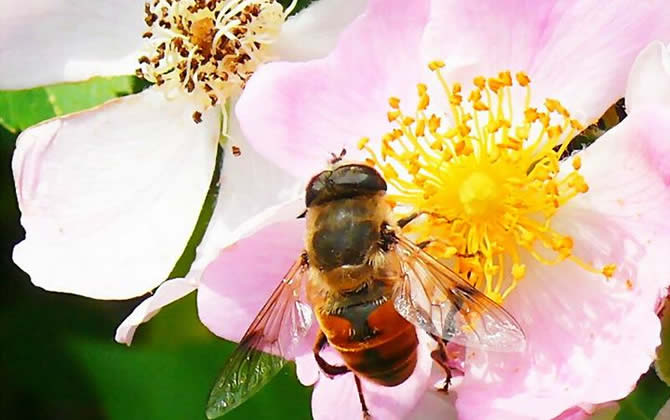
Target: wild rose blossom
110	196
587	297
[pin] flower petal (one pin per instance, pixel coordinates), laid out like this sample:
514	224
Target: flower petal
312	109
649	79
166	293
109	197
546	40
54	41
236	285
574	413
434	405
313	32
607	411
337	398
578	324
628	172
249	185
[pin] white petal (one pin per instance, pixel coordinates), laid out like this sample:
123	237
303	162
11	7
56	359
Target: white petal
315	30
110	197
249	186
166	293
649	79
52	41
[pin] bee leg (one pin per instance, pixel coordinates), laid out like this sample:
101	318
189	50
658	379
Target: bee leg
332	370
364	407
423	244
327	368
440	357
406	220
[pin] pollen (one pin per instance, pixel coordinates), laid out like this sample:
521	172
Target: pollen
485	176
207	49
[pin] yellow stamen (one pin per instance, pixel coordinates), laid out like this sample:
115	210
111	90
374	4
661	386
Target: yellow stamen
487	180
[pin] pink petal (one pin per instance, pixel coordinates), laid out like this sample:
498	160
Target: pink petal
109	197
628	172
313	32
574	413
236	285
54	41
250	185
166	293
337	398
309	110
434	405
607	411
649	79
580	325
579	51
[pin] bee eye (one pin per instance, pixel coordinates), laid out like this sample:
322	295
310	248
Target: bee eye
361	178
316	186
344	182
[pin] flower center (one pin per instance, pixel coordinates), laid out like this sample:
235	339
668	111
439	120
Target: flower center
478	194
487	181
208	49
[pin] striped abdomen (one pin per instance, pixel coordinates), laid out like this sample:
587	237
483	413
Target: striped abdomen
374	341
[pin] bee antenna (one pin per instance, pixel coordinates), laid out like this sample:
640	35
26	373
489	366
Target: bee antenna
336	158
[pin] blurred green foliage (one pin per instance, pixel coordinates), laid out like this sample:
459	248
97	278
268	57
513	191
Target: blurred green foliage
662	363
645	401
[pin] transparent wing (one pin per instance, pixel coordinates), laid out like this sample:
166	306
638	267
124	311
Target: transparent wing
269	342
439	301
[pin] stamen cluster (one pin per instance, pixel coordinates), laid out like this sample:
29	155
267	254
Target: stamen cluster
487	184
207	48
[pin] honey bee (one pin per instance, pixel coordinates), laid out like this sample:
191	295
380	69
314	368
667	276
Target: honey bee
369	288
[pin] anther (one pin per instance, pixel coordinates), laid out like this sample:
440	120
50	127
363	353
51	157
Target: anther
487	189
200	43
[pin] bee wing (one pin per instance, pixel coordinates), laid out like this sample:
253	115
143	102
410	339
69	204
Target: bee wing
439	301
266	346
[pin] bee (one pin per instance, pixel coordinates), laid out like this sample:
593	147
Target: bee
369	288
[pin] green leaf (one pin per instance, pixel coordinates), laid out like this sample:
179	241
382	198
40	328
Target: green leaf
302	4
19	109
662	363
23	108
645	401
152	383
71	97
183	265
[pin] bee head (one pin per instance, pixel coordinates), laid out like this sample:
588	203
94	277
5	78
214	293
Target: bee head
346	181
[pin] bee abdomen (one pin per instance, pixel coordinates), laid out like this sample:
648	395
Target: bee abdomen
389	363
386	354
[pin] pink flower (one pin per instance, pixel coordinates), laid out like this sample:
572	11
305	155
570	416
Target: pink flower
584	321
110	196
